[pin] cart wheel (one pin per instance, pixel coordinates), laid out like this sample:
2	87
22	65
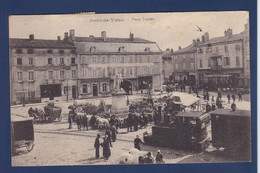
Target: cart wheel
29	146
59	118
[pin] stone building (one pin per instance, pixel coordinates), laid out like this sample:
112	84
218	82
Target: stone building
100	59
184	62
221	60
81	67
42	69
167	67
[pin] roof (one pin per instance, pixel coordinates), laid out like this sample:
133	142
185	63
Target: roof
16	118
129	47
39	43
222	39
187	49
194	114
228	112
112	40
186	99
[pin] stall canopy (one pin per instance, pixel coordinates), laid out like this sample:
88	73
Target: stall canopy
16	118
185	99
218	76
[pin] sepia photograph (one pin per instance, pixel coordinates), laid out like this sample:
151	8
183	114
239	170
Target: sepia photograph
130	88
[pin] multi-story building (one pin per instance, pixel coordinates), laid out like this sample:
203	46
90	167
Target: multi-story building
81	67
101	59
42	69
167	67
184	62
220	60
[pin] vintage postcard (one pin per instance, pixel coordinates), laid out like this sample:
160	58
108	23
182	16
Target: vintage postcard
137	88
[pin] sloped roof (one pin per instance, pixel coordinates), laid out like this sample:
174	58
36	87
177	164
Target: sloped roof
113	40
189	48
223	39
39	43
83	47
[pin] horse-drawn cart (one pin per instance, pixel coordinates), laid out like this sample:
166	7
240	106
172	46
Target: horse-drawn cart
49	114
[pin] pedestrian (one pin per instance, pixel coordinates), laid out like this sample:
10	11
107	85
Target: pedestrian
159	157
207	95
233	106
137	142
219	94
79	121
97	145
212	99
130	122
190	90
108	134
106	148
85	122
208	107
70	119
149	158
239	96
234	97
146	120
136	122
213	106
113	130
228	97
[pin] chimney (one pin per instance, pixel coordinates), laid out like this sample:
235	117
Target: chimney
58	38
194	43
103	35
171	50
198	40
72	34
206	36
179	47
66	36
203	39
228	33
131	36
31	37
168	49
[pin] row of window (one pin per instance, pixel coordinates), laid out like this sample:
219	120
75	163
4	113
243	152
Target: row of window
20	75
50	61
86	88
120	49
104	59
226	62
184	67
226	49
50	51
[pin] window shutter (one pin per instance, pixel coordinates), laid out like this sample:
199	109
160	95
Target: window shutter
81	88
89	88
108	87
100	87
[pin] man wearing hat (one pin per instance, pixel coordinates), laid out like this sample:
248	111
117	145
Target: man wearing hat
97	145
159	157
137	142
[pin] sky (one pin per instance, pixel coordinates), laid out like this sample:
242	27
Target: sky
168	30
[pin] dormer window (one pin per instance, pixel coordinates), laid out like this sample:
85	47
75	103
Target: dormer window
29	51
147	49
49	51
121	49
92	49
19	51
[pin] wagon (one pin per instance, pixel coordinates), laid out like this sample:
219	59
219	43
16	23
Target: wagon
231	129
22	132
52	112
188	131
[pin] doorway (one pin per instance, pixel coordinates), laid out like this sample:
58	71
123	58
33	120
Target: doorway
95	90
74	92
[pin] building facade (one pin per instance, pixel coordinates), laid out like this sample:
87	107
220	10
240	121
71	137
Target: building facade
80	67
101	59
221	60
41	69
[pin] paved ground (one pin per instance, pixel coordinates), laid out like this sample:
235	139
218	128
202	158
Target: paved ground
55	144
